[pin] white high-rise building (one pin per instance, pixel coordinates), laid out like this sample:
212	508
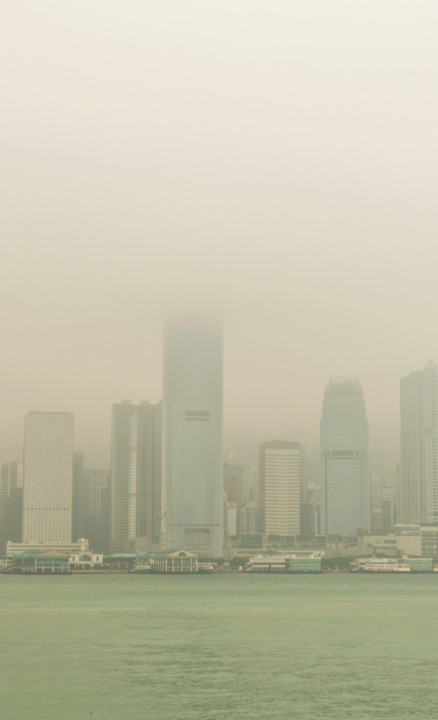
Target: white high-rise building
280	487
47	478
344	466
192	498
419	447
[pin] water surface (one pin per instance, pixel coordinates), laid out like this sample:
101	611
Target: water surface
121	647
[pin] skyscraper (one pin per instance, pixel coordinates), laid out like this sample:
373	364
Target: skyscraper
47	480
79	496
280	487
97	518
419	447
344	471
11	484
135	475
192	437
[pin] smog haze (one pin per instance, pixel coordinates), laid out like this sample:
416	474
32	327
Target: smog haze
273	163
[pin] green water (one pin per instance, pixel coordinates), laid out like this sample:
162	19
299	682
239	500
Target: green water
220	646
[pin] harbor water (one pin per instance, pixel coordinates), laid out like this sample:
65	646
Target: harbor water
240	647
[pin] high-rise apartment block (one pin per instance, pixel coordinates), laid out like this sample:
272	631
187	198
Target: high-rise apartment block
418	492
135	476
280	488
47	480
192	437
344	466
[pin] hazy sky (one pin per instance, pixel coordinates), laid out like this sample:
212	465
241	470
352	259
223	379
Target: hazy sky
273	161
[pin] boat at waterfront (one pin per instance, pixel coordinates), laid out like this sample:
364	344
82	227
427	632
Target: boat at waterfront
380	565
406	564
141	568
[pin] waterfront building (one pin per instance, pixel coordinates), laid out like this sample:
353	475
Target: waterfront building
418	494
280	488
37	558
192	437
47	477
12	548
310	563
40	562
135	475
86	559
176	562
344	466
300	561
411	540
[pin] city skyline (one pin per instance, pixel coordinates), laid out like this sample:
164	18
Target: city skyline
239	438
169	484
244	439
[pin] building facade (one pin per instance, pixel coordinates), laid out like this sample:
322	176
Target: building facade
47	477
192	437
135	476
344	464
280	488
11	484
418	492
79	496
97	519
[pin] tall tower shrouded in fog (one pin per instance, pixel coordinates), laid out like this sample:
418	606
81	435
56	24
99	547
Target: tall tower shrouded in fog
344	470
192	437
48	477
419	446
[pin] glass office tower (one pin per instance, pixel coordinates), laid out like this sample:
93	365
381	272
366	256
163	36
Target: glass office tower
192	497
344	467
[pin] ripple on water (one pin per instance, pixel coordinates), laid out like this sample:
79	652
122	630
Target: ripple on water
229	647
